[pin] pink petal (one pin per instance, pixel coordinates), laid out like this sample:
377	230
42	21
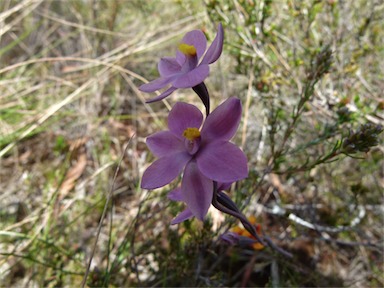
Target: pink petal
222	162
164	143
197	39
164	170
162	95
197	190
168	66
156	84
192	78
223	122
183	116
185	215
214	51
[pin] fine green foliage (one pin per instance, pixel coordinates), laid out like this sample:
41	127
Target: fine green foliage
72	143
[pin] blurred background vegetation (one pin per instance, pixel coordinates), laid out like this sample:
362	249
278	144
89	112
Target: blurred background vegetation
72	143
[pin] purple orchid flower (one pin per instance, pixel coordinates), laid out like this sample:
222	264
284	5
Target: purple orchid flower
186	214
185	71
204	155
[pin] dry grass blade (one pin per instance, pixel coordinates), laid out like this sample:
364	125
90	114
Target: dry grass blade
15	9
246	109
109	196
93	63
52	110
72	175
26	8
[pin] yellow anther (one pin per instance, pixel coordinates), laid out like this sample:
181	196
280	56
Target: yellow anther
191	133
186	49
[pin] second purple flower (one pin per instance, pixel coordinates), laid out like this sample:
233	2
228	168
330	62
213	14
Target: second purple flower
185	71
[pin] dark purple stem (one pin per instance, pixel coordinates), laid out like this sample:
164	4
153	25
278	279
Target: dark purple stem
202	91
223	203
229	210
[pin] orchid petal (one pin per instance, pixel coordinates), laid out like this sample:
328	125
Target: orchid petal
184	215
197	190
222	162
189	64
192	78
223	186
223	122
166	93
156	84
214	51
164	143
183	116
197	39
175	195
164	170
230	237
168	66
180	58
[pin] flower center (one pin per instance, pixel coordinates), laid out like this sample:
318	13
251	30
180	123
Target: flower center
188	50
191	133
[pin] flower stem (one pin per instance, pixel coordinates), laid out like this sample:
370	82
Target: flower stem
231	209
202	91
248	226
